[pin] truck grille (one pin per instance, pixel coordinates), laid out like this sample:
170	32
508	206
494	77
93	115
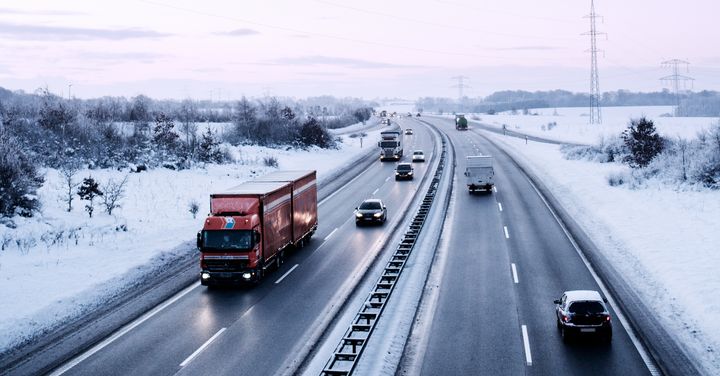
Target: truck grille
225	265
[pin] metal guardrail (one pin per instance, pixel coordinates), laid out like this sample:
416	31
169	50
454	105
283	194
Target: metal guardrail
352	344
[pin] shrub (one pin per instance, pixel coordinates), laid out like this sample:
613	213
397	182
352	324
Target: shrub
642	141
270	161
19	180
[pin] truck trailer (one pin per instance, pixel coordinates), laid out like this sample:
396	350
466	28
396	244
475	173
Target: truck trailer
250	226
390	145
479	173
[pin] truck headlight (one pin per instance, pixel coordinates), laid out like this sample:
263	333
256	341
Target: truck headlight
246	275
205	275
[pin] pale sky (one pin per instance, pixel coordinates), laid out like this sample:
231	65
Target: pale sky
393	48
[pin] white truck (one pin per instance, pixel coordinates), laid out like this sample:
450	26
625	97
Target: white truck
390	145
479	173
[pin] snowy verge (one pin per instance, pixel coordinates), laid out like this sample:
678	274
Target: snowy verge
660	239
60	265
570	124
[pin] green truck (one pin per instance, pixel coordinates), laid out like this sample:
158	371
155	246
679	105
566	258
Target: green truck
461	123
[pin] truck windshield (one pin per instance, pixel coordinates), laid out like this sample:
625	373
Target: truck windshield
227	240
388	144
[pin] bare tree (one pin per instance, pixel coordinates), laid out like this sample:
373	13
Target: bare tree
112	193
187	114
68	172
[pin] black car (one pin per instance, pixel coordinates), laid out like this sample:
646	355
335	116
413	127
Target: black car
371	211
404	171
583	312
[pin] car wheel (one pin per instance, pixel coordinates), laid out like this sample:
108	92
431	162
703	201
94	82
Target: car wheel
557	322
607	337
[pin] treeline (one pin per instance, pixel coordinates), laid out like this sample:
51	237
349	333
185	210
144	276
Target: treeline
44	130
705	103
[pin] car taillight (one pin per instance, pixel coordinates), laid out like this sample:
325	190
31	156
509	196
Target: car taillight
607	318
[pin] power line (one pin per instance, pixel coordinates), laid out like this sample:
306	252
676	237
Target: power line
595	116
676	78
460	86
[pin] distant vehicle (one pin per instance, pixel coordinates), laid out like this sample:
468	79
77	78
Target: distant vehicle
404	171
409	131
418	156
251	225
385	121
409	114
390	145
371	211
479	173
461	123
418	114
583	312
383	113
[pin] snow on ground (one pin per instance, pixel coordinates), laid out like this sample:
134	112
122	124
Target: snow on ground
662	239
571	123
54	264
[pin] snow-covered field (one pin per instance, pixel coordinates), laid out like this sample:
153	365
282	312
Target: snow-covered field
662	239
55	263
571	124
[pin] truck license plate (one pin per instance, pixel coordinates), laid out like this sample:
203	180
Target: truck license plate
587	330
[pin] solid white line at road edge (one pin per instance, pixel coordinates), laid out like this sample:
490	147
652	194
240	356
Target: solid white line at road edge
649	362
330	234
507	235
526	344
375	191
201	348
500	206
286	274
514	272
124	330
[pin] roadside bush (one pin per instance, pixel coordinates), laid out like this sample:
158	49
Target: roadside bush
270	161
19	180
642	142
313	133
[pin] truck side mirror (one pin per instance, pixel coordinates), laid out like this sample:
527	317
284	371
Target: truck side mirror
199	239
257	237
378	144
465	173
556	301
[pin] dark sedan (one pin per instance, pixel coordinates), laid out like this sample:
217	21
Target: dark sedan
583	312
371	211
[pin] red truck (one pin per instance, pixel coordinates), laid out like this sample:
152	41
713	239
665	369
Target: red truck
250	226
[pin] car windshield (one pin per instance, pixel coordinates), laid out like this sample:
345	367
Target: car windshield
418	153
586	307
404	167
370	205
223	240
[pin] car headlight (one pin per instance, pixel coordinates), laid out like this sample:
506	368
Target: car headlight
205	275
377	215
246	275
358	215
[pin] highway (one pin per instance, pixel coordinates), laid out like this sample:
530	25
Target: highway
507	259
257	330
504	257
